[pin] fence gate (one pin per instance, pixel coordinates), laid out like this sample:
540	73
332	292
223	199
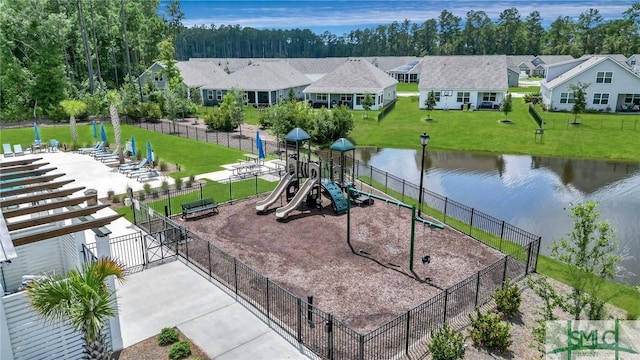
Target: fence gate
163	244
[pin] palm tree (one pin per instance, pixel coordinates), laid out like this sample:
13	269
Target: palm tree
114	100
73	108
82	298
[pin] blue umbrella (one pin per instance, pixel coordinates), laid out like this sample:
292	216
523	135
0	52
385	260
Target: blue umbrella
149	153
95	130
133	146
35	128
103	133
259	146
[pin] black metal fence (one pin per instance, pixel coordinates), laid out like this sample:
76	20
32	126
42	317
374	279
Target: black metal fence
520	244
535	115
406	336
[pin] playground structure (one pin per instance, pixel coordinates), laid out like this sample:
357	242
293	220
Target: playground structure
291	184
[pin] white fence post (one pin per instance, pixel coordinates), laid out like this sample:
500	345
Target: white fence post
103	249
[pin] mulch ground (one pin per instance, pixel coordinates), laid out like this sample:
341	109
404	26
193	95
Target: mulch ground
364	284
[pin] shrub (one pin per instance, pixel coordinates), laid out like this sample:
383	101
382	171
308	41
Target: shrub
116	199
180	350
147	188
178	183
508	298
110	194
168	336
164	166
447	344
490	331
191	180
165	186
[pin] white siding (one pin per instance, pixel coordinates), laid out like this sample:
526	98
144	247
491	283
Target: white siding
32	338
33	259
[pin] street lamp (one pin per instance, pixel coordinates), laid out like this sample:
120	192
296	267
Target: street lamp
424	140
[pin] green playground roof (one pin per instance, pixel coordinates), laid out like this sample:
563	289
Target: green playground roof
342	145
297	135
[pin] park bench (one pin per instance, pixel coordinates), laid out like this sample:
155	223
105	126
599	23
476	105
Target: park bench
198	206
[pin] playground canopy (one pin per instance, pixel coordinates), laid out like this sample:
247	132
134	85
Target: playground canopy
342	145
297	135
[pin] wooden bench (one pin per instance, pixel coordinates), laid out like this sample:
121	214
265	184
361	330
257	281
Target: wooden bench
198	206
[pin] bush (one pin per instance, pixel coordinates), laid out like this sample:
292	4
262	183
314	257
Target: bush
490	331
116	199
164	166
147	188
178	183
508	298
164	186
180	350
447	344
110	194
191	180
168	336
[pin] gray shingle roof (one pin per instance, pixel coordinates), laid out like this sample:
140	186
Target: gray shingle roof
198	73
354	76
263	75
481	72
586	64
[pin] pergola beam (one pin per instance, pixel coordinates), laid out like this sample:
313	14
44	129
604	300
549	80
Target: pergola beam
22	174
30	189
23	161
39	197
45	207
25	167
64	230
28	181
18	225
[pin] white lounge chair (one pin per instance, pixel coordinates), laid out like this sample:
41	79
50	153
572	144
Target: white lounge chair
17	150
6	149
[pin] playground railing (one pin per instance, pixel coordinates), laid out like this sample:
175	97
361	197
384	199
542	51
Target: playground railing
405	337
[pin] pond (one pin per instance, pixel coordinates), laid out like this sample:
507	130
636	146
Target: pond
530	192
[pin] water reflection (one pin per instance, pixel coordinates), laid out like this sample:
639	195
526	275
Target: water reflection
532	193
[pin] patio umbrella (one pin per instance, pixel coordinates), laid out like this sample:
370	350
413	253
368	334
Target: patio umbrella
260	146
95	130
103	133
149	153
35	128
133	146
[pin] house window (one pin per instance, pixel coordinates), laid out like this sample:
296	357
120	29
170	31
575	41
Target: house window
437	95
600	99
463	97
632	98
345	98
210	94
321	97
489	96
566	98
604	77
219	95
157	77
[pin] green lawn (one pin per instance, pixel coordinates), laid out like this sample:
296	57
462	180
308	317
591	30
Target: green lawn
525	89
407	87
599	136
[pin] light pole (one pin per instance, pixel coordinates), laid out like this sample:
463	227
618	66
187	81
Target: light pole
424	140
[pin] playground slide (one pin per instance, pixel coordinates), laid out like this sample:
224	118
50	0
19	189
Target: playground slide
283	212
275	194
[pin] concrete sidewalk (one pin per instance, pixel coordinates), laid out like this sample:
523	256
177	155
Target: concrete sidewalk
173	294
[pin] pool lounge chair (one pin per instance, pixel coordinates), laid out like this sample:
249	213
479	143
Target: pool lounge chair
100	156
148	175
6	149
131	167
17	150
95	147
136	173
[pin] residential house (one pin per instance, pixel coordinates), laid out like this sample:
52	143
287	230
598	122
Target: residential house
349	83
264	82
540	62
521	64
634	63
316	68
407	73
612	85
478	81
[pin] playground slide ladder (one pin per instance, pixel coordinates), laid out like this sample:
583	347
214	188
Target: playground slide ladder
275	194
338	200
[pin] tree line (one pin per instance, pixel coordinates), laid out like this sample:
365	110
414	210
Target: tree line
54	50
511	33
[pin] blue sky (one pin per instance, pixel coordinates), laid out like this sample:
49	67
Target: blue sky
342	16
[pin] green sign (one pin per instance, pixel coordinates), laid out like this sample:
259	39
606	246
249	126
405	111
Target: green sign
588	339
